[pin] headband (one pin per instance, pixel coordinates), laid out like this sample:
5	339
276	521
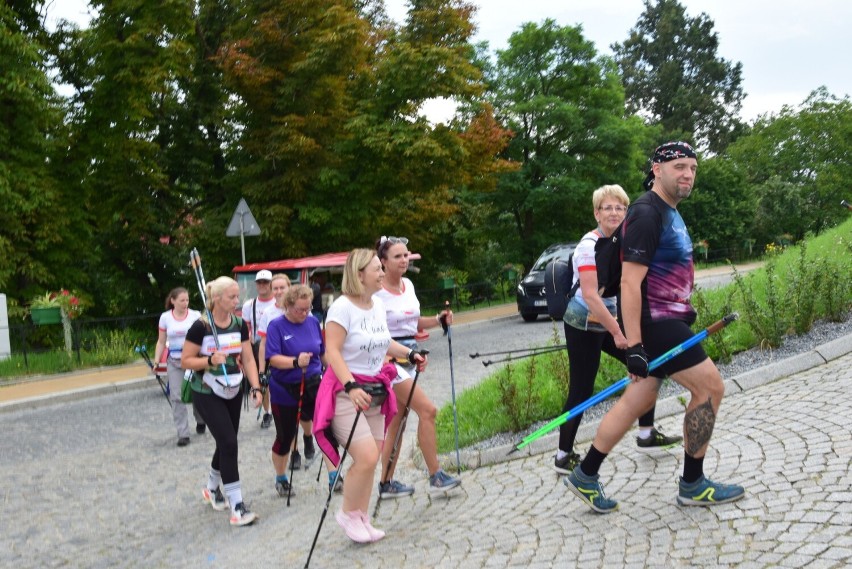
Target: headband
666	153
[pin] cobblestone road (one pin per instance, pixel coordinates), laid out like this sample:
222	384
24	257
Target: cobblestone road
100	483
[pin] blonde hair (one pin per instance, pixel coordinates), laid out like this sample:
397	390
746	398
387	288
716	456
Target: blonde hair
281	276
297	292
215	289
357	261
613	191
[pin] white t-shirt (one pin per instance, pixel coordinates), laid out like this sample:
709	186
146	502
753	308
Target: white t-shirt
403	309
367	336
270	314
249	316
584	260
176	329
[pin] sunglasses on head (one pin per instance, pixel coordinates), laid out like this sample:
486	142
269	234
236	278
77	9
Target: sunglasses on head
391	239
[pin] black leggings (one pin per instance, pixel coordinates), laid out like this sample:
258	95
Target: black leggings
584	359
285	428
223	419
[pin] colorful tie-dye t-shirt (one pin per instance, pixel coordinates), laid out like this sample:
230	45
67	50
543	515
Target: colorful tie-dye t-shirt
655	235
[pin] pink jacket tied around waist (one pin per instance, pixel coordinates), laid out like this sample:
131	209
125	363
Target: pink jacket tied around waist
324	410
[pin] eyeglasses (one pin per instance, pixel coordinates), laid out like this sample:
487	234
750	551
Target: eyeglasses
403	240
613	208
303	311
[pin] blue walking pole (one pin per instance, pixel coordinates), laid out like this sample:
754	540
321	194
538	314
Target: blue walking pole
621	384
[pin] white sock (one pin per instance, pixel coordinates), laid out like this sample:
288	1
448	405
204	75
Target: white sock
234	493
213	479
645	432
560	454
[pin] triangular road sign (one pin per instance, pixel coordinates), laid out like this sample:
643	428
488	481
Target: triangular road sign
249	225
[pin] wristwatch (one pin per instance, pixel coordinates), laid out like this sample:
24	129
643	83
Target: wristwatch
210	361
350	385
295	363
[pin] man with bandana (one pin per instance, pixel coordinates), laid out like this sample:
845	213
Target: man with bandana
656	285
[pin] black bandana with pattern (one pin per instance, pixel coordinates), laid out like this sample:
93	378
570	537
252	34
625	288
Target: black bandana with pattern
665	153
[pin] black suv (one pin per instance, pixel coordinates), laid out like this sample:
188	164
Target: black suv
530	294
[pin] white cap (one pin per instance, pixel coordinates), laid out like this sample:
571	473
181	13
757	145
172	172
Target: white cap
263	275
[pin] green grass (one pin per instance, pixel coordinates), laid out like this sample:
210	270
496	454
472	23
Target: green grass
540	384
107	348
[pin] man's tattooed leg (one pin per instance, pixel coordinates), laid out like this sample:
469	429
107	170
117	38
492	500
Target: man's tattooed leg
698	426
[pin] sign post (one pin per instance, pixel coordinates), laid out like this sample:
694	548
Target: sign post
243	223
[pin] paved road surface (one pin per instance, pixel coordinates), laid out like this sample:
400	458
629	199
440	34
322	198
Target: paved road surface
98	482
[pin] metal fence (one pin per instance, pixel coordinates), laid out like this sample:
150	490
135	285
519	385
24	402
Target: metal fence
27	338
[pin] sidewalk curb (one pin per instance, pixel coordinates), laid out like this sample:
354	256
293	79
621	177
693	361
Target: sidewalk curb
76	394
667	407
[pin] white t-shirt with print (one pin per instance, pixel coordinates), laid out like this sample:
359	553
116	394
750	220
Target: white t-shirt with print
270	314
584	260
403	309
367	336
249	316
176	329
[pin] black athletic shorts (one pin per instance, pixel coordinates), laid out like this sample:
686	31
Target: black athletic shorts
660	337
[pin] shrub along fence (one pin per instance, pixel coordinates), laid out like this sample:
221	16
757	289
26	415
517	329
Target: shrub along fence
95	342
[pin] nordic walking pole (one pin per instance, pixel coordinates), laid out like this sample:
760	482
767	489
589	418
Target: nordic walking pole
507	352
618	386
846	204
144	351
195	261
402	422
540	352
331	486
296	437
448	332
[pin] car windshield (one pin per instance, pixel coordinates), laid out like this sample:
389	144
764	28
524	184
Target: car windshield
560	253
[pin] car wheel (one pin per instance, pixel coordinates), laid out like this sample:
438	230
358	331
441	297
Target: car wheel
529	317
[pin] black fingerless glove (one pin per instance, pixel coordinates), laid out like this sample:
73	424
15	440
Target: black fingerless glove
412	353
637	360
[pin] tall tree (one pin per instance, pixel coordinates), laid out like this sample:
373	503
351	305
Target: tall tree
799	163
674	77
145	148
41	238
565	106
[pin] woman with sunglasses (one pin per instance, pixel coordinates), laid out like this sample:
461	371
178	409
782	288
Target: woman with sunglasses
404	321
357	345
591	327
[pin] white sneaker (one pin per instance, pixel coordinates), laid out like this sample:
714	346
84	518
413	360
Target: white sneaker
241	516
353	526
215	498
375	534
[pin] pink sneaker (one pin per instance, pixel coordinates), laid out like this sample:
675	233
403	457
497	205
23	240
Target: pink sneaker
375	534
353	526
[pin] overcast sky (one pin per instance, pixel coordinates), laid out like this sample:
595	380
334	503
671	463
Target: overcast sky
787	48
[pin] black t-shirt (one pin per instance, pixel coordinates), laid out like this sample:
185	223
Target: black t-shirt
655	235
230	342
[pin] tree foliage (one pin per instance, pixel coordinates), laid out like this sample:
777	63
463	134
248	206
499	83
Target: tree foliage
798	163
41	237
565	106
673	75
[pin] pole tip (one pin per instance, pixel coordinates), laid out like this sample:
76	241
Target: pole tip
513	451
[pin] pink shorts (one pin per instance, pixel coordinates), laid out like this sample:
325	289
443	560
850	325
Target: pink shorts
371	423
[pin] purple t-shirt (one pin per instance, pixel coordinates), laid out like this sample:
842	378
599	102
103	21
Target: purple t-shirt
284	338
655	235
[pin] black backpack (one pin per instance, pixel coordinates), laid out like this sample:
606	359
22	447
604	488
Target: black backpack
559	274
